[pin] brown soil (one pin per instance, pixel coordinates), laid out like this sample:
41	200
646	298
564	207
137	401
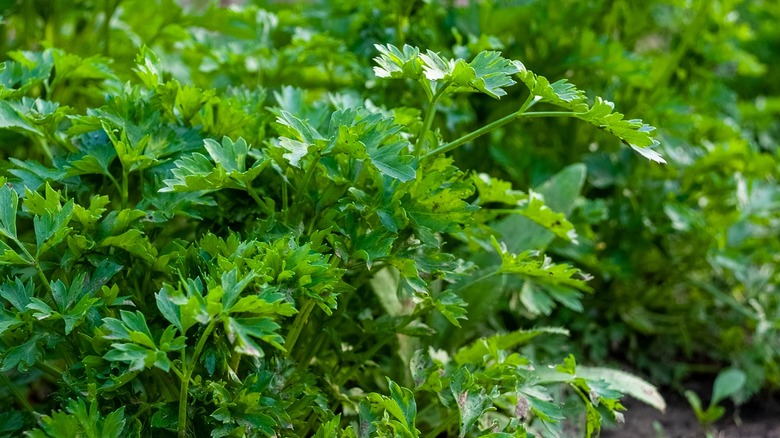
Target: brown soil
758	419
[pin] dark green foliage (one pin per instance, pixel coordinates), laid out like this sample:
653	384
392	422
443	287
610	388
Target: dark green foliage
344	219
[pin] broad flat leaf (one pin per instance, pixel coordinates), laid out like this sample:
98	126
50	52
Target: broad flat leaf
400	406
228	169
438	200
396	64
450	305
477	350
135	243
8	320
140	350
492	189
17	293
22	356
387	150
539	269
232	287
625	383
242	332
95	158
560	93
114	423
137	357
168	308
10	119
492	73
728	383
231	155
471	399
404	401
51	227
33	174
11	421
9	202
148	68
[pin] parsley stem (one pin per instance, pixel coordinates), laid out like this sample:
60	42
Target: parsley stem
548	114
430	111
255	196
187	371
477	280
48	369
297	327
443	426
471	135
492	126
18	394
125	190
284	196
33	262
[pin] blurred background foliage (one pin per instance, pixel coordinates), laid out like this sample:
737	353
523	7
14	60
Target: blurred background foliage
684	255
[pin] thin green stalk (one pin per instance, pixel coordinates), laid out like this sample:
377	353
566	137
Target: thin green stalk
109	8
125	189
33	262
399	23
309	175
430	112
477	280
45	147
187	372
690	36
298	324
493	126
284	196
17	394
49	369
443	426
253	193
471	136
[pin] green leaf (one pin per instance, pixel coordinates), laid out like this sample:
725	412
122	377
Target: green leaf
400	405
51	227
396	64
232	288
8	321
438	200
114	424
231	155
135	243
728	383
404	401
22	356
560	193
450	305
136	356
9	202
601	114
476	352
11	119
148	68
626	383
472	401
17	293
492	73
540	270
242	332
227	171
560	93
